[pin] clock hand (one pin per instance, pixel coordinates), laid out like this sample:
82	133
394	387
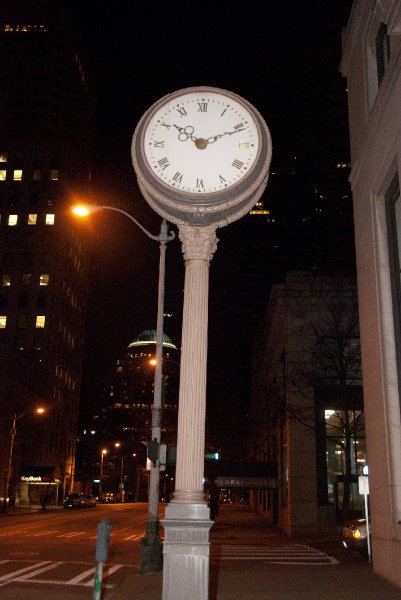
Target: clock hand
213	138
185	133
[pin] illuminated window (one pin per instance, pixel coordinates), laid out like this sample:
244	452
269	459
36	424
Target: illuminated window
50	219
32	218
12	220
54	174
44	279
17	176
3	174
26	278
3	156
6	280
3	321
40	321
37	175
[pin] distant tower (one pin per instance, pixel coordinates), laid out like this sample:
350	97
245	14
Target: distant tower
128	396
45	146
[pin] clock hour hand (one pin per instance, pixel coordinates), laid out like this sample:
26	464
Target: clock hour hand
185	133
213	138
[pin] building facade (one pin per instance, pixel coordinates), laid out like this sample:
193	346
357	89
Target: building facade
45	146
123	418
371	63
307	409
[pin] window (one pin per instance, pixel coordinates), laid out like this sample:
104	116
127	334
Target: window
3	157
22	322
23	301
40	321
41	301
6	279
44	279
3	174
37	175
3	321
50	219
34	199
32	218
54	174
382	51
12	220
17	175
26	278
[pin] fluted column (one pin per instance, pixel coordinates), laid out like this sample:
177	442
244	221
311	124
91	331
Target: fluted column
187	521
198	246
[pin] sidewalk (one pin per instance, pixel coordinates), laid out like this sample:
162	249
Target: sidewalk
351	579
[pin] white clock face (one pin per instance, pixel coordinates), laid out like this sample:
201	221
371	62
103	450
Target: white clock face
201	142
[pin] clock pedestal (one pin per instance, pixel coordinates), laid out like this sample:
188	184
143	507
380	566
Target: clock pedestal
187	522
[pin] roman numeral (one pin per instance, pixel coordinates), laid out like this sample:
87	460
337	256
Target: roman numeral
182	112
202	106
163	163
163	124
199	183
237	164
178	177
158	144
223	112
222	180
239	126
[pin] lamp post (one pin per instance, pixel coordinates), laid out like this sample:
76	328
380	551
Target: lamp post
13	433
103	452
121	487
151	553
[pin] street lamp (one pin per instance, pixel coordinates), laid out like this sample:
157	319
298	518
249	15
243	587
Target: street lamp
13	432
121	486
103	452
151	557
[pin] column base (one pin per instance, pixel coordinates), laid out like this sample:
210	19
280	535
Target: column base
186	551
151	549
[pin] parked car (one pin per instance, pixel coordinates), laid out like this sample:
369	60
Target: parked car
354	535
107	498
79	500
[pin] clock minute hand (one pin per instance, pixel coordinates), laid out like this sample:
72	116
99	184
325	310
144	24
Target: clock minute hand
213	138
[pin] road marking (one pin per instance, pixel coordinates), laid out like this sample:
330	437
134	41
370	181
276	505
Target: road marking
297	554
39	571
135	536
6	578
44	533
72	534
106	574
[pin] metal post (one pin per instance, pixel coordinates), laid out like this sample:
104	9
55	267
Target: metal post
151	556
10	458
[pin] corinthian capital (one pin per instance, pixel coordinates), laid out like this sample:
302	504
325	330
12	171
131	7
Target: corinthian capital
198	243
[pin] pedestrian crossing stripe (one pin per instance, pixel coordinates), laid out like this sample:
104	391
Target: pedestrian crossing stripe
297	554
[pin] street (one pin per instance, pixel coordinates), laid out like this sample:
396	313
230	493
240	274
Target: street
58	547
51	556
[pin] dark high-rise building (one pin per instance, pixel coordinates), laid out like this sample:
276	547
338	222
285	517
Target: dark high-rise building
121	424
45	146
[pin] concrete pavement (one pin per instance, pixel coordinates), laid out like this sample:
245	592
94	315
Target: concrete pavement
351	578
247	576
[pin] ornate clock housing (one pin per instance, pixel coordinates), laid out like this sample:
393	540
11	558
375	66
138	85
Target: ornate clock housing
201	154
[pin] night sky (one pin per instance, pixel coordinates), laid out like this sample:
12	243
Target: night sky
282	56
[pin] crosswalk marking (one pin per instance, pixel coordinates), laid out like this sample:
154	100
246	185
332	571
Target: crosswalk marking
83	578
15	574
71	534
296	554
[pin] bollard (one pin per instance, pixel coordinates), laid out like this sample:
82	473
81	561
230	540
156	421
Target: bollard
102	550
